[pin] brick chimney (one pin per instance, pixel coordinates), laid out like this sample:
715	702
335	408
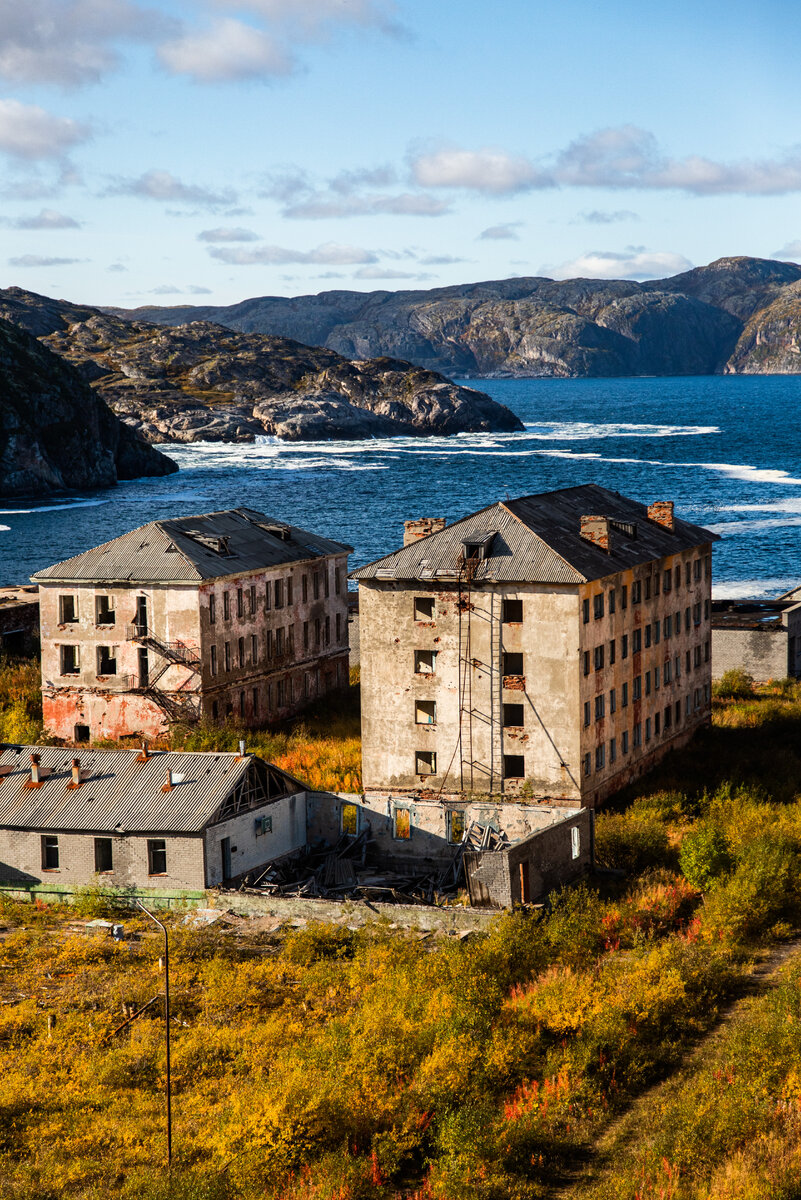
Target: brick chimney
414	530
168	782
76	772
35	769
596	530
661	511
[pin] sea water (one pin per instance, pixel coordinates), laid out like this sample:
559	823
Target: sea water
726	449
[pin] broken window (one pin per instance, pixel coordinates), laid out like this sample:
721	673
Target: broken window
156	856
611	654
688	570
70	660
227	655
585	611
304	582
49	852
326	582
268	644
350	820
254	649
212	609
598	606
262	825
455	822
305	634
82	733
600	707
600	757
103	855
255	698
647	636
226	606
279	642
241	704
107	660
290	640
267	597
104	610
624	646
279	593
213	659
647	729
308	685
425	762
424	662
240	603
240	646
598	656
638	734
586	662
252	598
316	580
513	612
424	608
611	602
425	712
317	628
512	664
612	749
67	609
648	587
514	766
402	824
513	716
337	580
289	590
636	592
339	628
667	580
625	741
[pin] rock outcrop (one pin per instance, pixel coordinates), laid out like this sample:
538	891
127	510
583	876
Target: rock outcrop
55	431
708	320
206	382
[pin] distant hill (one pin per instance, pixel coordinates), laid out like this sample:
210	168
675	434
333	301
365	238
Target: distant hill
739	315
55	432
207	382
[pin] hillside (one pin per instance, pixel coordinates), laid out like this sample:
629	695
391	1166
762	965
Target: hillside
736	315
55	432
206	382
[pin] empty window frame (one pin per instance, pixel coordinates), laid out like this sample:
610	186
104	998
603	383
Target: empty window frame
600	757
227	606
612	598
455	825
647	729
67	609
50	861
585	610
105	613
402	824
241	704
587	713
513	716
349	820
425	662
268	596
598	658
598	606
289	590
425	762
213	660
305	635
612	750
612	649
278	593
304	588
624	741
227	655
513	612
636	641
425	712
107	660
624	646
667	580
636	592
624	696
70	660
279	641
212	609
252	599
514	766
156	856
586	660
600	707
588	763
255	701
254	649
424	608
636	687
339	628
647	636
240	602
638	734
648	587
613	701
512	663
104	858
240	651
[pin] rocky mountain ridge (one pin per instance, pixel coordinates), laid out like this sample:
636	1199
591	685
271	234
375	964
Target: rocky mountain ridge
55	431
203	381
736	315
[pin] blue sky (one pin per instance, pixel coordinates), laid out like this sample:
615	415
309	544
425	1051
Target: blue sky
204	151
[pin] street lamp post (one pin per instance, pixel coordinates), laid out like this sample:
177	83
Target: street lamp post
166	1024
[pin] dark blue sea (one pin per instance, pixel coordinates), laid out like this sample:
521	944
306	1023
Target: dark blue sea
726	449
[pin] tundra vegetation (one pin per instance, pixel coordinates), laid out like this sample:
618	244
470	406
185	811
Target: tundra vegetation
633	1040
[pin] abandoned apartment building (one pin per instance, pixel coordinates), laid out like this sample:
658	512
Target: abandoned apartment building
550	648
223	614
142	819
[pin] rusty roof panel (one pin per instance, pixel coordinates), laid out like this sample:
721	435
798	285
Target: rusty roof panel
117	790
538	540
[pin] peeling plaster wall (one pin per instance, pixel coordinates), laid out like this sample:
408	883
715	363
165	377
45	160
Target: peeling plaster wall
251	849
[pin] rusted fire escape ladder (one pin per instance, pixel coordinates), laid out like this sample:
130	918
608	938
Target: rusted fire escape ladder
496	691
173	654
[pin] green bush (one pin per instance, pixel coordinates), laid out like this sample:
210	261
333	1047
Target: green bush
705	856
630	842
734	685
762	891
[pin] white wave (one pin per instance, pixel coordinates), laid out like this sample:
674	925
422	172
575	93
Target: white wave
583	430
4	528
749	474
793	505
735	528
735	589
21	512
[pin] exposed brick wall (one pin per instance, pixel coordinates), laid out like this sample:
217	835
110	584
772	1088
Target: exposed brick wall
760	652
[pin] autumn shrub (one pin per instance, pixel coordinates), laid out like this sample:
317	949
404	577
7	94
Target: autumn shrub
705	856
761	891
631	842
734	684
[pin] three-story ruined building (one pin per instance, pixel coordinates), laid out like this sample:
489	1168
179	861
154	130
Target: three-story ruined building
554	647
228	614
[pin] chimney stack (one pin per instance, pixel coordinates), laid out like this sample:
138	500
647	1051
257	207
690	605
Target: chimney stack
35	769
76	772
596	530
241	749
168	782
414	530
661	511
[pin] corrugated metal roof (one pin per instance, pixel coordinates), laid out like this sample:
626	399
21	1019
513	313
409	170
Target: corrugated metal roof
117	791
538	540
193	549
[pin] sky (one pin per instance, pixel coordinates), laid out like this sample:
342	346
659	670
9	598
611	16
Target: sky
206	151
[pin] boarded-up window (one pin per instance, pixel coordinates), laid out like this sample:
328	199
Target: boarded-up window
402	824
350	820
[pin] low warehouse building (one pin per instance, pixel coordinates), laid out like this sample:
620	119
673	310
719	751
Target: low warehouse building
762	637
140	819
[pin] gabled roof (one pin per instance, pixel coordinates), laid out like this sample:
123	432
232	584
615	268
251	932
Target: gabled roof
537	539
193	549
119	793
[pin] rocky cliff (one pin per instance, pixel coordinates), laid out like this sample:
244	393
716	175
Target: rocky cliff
55	431
206	382
735	315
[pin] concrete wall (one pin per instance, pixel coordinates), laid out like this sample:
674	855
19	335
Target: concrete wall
21	859
250	849
528	870
772	652
470	638
355	913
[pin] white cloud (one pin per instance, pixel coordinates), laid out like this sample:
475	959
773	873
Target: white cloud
41	260
30	132
634	263
441	260
601	217
227	50
498	233
790	250
163	185
491	171
227	233
48	218
329	254
69	42
196	290
389	273
165	289
310	18
116	267
343	196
